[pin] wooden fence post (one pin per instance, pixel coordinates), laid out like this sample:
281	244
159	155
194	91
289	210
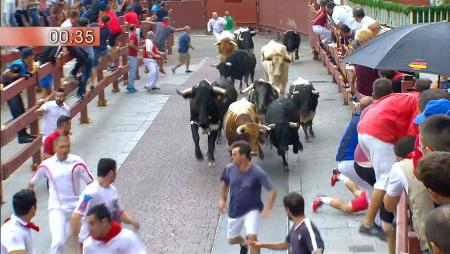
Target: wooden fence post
101	95
34	126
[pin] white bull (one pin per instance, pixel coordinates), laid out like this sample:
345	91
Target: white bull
275	60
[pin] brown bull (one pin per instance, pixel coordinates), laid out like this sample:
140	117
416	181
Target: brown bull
226	45
241	122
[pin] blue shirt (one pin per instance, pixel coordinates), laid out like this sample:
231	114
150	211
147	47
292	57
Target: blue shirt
245	189
18	66
349	141
160	14
183	43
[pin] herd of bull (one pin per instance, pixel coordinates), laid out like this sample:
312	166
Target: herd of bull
268	112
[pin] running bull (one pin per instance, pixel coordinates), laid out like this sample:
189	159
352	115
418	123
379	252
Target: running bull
244	38
261	94
239	65
283	121
225	45
306	98
204	114
275	61
224	101
241	122
291	40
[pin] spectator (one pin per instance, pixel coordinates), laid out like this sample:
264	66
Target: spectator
421	85
87	67
362	36
319	22
100	192
65	173
395	77
97	7
101	227
365	76
151	57
15	70
133	49
161	13
155	7
437	230
51	111
21	13
9	13
33	12
341	14
64	127
184	44
230	21
57	14
363	21
44	11
132	19
216	25
17	234
137	8
49	55
304	237
378	130
116	30
376	28
103	49
434	170
348	36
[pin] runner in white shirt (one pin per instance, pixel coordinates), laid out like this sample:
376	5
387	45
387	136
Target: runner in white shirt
51	111
107	236
216	25
99	192
17	232
65	172
363	21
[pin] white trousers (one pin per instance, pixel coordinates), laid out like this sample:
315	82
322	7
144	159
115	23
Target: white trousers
347	169
138	32
153	72
216	34
382	156
323	32
60	229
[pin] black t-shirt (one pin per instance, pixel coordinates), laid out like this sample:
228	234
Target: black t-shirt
160	14
138	9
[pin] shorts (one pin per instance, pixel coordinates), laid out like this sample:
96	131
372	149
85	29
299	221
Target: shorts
360	203
113	39
183	57
250	221
46	82
367	174
386	216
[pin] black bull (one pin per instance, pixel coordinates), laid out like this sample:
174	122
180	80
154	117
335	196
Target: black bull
283	119
204	107
239	65
292	41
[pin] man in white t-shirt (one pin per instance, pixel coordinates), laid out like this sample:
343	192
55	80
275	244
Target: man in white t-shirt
341	14
107	236
99	192
216	25
363	21
64	172
16	233
51	111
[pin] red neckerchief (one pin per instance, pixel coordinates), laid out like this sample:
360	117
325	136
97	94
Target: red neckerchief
113	232
29	225
398	75
416	155
164	24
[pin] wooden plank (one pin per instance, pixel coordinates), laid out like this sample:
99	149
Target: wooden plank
19	158
402	226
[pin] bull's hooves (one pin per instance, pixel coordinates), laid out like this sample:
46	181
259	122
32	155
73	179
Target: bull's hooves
308	140
199	156
296	58
212	163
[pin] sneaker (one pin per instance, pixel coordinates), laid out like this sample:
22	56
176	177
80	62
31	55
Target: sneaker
334	177
92	88
155	88
173	70
31	136
134	89
147	88
373	231
316	204
188	71
244	249
130	89
112	68
26	139
80	97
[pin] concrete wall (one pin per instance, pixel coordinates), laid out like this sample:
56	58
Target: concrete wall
285	14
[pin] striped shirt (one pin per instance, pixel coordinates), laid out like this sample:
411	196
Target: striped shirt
304	238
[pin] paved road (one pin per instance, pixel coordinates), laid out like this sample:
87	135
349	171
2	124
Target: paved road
173	195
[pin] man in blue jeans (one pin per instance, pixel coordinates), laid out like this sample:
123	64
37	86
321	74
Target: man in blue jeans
15	70
133	49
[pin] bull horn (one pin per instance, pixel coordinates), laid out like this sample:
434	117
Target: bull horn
240	129
185	92
271	126
218	90
228	64
233	42
314	91
246	90
264	127
276	88
294	125
217	43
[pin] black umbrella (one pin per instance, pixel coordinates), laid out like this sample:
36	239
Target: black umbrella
419	48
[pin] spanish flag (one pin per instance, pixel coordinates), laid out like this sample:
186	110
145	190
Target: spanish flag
418	65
